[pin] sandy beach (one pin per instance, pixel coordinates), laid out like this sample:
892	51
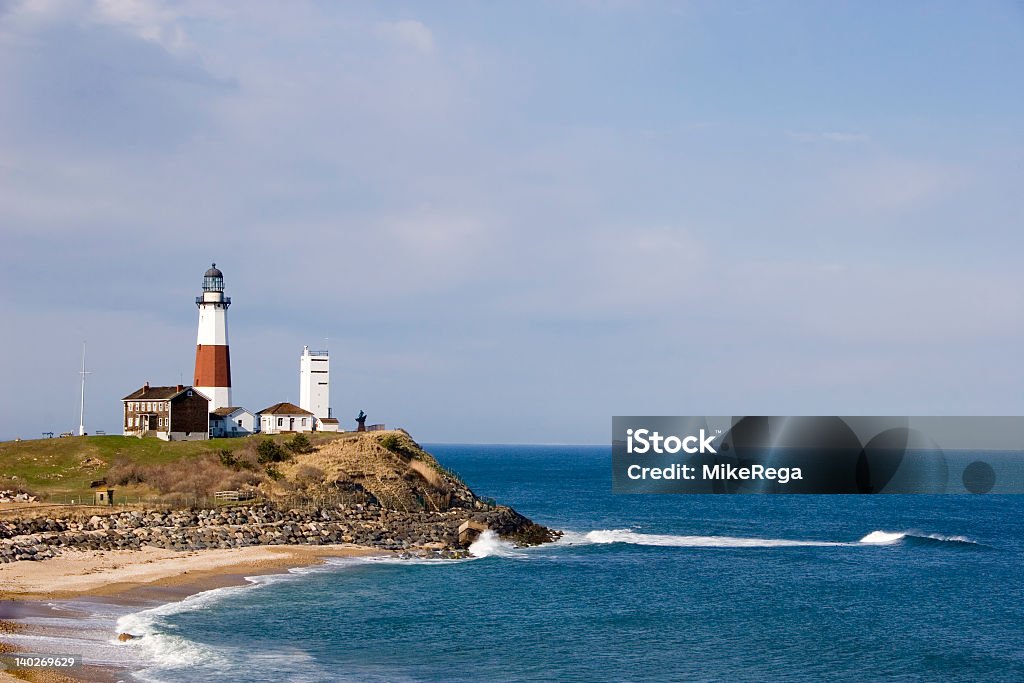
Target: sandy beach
130	577
111	572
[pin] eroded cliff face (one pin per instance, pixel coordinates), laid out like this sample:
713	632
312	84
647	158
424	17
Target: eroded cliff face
388	466
393	471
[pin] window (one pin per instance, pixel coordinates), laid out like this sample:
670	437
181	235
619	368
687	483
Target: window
280	421
304	422
161	422
188	393
239	423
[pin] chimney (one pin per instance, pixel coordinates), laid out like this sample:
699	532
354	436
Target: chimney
180	387
145	388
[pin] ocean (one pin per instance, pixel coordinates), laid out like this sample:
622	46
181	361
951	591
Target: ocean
641	588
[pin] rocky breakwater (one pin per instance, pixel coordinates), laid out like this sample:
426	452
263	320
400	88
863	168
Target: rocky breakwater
418	533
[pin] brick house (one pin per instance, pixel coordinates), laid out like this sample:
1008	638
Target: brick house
177	413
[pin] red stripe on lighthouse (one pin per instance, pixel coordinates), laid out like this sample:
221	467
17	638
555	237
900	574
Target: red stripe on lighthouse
213	366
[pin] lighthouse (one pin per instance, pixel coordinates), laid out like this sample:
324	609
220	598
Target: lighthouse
314	382
213	363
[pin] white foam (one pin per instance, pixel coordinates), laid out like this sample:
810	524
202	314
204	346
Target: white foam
891	537
95	647
168	649
397	560
953	539
490	545
632	537
883	537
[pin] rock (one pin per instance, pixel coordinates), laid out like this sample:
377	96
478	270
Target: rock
433	533
126	637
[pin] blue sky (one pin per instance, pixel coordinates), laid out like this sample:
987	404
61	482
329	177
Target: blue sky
515	220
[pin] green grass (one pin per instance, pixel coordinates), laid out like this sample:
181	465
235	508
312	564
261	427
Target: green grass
53	468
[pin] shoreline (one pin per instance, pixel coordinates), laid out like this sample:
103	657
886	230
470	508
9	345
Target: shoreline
137	579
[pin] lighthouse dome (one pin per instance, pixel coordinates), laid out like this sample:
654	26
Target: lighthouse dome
213	279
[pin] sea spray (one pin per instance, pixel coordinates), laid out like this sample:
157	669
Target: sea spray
883	538
490	545
894	537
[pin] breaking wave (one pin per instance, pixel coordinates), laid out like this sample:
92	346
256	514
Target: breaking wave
915	538
628	536
634	538
489	545
165	649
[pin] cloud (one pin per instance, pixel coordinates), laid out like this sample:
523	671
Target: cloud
156	22
408	32
447	208
148	20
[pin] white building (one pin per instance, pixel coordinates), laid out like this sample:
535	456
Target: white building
232	421
327	424
315	382
286	417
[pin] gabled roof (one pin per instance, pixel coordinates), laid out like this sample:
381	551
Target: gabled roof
155	393
284	408
227	411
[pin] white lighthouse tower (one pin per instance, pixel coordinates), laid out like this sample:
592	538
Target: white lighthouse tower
213	362
314	382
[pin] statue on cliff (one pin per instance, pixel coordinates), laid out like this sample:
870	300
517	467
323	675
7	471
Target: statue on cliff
361	421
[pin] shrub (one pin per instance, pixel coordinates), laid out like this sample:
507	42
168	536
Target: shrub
247	457
307	474
199	476
125	471
228	459
391	442
270	451
299	444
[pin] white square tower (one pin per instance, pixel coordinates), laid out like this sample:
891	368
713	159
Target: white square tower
314	382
